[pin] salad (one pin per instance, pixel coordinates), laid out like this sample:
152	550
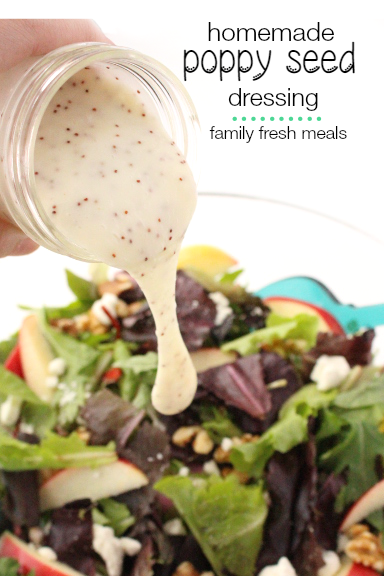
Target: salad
276	469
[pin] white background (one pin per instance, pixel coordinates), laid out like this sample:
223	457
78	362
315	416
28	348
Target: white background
341	178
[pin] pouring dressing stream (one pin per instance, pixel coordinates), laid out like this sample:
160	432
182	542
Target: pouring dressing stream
110	179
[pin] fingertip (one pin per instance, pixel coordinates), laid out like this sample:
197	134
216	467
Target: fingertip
25	246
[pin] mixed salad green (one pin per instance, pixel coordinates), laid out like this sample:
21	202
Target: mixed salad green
257	476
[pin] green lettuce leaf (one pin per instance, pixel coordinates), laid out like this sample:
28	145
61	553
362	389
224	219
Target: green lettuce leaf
84	290
11	567
53	452
6	347
225	517
139	373
114	514
290	430
355	451
349	436
12	385
303	327
81	375
217	423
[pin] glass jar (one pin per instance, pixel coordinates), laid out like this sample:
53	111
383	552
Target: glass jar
25	92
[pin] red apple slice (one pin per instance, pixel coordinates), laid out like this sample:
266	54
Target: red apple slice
13	362
207	358
371	500
290	307
95	483
36	355
349	568
29	559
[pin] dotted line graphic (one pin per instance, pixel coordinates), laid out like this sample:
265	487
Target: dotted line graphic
281	118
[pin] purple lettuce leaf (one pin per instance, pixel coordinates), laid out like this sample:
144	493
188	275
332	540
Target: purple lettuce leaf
195	313
240	384
327	520
144	561
71	535
109	417
357	350
186	549
305	551
276	368
140	328
140	502
149	450
21	500
282	478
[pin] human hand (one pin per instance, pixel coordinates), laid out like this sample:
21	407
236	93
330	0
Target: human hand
21	39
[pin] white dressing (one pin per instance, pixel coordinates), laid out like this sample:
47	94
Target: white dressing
113	182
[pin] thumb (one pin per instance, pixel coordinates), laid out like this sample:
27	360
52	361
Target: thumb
13	242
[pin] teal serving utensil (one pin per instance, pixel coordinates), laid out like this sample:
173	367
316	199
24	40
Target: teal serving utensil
309	290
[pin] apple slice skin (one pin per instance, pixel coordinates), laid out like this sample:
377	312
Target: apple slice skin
13	362
291	307
349	568
371	500
29	559
95	483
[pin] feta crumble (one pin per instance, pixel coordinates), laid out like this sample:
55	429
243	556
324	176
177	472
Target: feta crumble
226	444
57	367
223	309
175	527
184	471
112	549
109	302
329	372
211	468
10	411
332	563
282	568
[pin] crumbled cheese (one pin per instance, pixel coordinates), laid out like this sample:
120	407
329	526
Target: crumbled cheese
108	547
26	428
47	553
51	381
57	367
68	397
10	411
330	371
109	302
184	471
227	444
223	309
130	546
332	563
112	549
175	527
282	568
211	468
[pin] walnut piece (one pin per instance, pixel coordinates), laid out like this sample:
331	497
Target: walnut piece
365	548
186	569
202	443
184	435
